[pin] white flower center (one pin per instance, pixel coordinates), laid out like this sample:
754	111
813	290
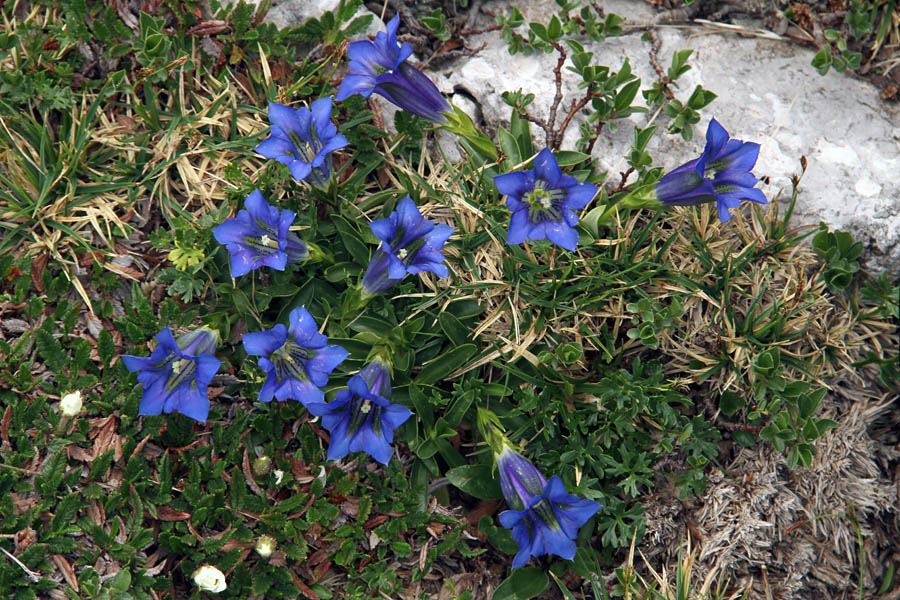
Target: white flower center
401	253
178	365
366	407
267	241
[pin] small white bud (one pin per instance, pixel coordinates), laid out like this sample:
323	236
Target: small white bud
265	546
209	579
279	475
71	404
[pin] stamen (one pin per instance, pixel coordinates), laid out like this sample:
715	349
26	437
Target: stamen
178	365
182	370
290	361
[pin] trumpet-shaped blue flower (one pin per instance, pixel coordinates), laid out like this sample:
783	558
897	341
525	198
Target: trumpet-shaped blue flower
260	236
296	360
685	186
721	174
410	244
543	517
381	67
362	418
177	373
543	201
303	139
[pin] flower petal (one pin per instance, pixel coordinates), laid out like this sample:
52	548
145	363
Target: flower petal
578	196
743	158
192	403
384	229
278	148
562	234
300	170
285	117
321	117
394	416
352	84
716	137
304	330
366	440
515	184
340	442
519	227
546	168
264	343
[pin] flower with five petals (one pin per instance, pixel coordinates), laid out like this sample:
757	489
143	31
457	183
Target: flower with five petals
260	236
177	373
296	360
361	417
303	139
543	517
409	245
543	201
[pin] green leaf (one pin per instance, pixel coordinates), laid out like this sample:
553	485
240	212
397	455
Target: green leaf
730	403
554	29
521	130
280	290
567	158
824	425
509	147
744	438
522	584
64	512
352	240
808	403
341	271
540	31
570	352
454	329
626	95
51	351
476	480
438	368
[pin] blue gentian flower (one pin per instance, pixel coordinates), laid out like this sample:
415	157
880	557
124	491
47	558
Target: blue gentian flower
410	244
296	359
260	236
721	174
303	139
362	418
542	201
381	67
177	373
685	186
543	517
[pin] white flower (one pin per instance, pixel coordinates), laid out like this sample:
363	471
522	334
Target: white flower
265	545
279	475
209	579
70	405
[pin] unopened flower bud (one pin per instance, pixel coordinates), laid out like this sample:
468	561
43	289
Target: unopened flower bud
262	465
279	475
71	404
265	546
209	579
